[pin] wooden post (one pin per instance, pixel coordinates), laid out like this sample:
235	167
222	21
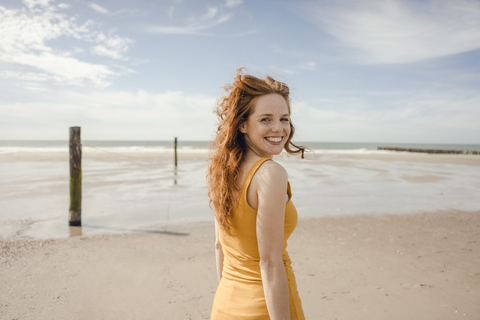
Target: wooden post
75	211
175	148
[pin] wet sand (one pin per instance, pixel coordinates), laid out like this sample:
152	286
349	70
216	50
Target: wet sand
120	192
126	191
423	266
473	160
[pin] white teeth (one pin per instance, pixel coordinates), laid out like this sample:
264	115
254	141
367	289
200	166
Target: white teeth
274	139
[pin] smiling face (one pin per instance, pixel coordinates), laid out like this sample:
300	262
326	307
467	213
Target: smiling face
267	129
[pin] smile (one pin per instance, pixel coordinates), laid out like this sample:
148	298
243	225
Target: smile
274	139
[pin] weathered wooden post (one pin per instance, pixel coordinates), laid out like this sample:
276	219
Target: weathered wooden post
175	148
175	170
75	211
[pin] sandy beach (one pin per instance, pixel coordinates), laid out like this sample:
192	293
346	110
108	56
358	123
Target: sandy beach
111	112
423	266
380	236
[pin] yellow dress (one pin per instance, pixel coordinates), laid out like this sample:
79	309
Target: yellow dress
240	292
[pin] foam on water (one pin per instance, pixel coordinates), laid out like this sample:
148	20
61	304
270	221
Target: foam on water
162	149
203	146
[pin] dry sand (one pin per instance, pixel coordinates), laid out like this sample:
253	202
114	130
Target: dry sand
424	266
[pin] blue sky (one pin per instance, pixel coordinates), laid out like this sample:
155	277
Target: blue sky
360	71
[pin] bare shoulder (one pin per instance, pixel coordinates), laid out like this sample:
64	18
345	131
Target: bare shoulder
271	172
273	168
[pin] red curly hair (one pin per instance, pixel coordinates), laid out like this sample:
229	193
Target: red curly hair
229	146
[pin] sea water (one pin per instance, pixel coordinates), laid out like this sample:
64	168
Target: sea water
134	195
9	146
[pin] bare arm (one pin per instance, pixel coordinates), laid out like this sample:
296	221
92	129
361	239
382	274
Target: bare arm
218	254
271	189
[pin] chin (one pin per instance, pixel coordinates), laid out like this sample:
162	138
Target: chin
276	152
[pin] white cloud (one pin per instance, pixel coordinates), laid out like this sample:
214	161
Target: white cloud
113	115
195	25
396	31
233	3
118	115
444	118
63	5
24	34
113	47
211	13
98	8
34	88
137	62
69	70
27	76
31	4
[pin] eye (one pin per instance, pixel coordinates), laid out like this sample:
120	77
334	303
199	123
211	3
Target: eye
265	119
285	119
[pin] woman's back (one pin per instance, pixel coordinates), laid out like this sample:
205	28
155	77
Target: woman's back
240	294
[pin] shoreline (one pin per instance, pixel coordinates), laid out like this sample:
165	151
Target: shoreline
166	226
138	190
363	267
178	228
465	159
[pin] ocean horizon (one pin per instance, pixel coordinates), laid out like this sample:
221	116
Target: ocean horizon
202	146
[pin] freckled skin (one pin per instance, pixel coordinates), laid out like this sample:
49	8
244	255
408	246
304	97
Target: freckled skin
269	120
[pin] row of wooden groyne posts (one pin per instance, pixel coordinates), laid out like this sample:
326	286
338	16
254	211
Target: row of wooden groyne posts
429	150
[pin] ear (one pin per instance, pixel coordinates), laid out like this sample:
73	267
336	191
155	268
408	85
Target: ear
243	128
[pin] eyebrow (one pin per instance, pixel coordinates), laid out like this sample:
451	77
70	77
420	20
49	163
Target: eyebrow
270	114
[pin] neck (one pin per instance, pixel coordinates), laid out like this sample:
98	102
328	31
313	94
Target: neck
252	150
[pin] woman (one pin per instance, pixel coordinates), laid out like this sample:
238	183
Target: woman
254	214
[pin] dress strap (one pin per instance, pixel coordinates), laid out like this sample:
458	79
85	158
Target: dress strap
289	191
250	175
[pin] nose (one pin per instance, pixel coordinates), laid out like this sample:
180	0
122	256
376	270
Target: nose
277	126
